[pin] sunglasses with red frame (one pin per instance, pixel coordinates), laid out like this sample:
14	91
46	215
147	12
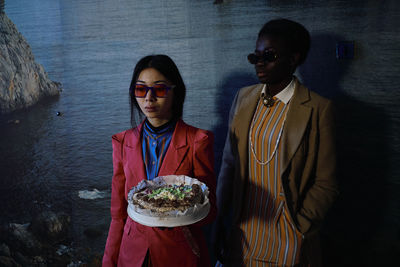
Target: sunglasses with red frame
158	90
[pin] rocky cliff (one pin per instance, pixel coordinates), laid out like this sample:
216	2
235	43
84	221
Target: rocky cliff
23	82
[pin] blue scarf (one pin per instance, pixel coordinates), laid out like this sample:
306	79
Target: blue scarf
155	144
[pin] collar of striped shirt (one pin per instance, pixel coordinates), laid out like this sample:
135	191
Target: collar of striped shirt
286	94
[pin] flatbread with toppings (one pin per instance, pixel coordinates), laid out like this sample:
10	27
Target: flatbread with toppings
169	197
172	200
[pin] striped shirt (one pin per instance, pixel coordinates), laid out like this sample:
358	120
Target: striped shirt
270	238
155	143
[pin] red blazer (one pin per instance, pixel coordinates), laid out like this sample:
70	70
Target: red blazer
190	153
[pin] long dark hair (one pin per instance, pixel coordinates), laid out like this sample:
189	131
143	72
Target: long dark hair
166	66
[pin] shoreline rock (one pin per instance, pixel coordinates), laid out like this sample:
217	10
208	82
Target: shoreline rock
36	242
23	82
45	241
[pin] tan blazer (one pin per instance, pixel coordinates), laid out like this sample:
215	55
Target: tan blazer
308	159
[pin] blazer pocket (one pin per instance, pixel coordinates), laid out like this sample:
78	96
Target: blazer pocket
185	168
185	171
127	228
174	234
310	141
178	235
129	150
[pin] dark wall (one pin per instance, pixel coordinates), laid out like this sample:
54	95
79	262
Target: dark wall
363	227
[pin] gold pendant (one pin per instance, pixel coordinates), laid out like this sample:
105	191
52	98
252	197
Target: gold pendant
268	101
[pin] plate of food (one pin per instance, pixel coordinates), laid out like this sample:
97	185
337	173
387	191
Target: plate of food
168	201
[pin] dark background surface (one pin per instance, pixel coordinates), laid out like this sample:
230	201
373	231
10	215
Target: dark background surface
91	47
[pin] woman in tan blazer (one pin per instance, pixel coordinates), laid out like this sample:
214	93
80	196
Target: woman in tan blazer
278	167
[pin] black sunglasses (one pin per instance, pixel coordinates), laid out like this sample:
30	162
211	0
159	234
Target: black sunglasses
268	56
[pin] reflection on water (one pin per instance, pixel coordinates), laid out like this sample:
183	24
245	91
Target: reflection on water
91	194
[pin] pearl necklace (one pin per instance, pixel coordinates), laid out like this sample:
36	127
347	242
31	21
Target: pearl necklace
276	144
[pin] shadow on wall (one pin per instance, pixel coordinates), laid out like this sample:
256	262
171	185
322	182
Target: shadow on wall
355	219
230	85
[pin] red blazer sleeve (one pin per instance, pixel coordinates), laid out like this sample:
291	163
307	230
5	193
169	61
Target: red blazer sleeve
203	169
118	205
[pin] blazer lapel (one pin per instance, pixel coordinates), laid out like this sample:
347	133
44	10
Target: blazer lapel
247	103
296	124
242	123
133	153
177	150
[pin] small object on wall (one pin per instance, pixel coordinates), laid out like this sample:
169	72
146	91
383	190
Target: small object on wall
345	50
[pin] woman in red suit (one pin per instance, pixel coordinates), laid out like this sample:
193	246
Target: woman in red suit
162	144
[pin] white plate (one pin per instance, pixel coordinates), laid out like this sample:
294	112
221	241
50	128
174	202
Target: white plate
171	218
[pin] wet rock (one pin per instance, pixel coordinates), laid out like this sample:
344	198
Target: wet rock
23	239
95	261
33	244
51	227
8	262
62	249
4	250
75	264
21	259
39	261
92	232
13	121
23	82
